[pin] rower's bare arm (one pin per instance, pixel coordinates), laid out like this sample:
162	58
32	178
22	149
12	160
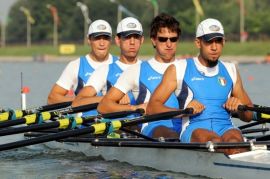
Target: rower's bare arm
110	102
58	95
163	92
87	95
239	97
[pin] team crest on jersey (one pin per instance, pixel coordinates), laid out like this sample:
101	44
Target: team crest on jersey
222	81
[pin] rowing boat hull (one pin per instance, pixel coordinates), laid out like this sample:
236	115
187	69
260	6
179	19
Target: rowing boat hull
192	162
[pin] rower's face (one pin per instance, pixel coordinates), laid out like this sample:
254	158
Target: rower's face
210	51
166	44
100	46
129	45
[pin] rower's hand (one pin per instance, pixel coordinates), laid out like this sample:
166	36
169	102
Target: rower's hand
197	106
140	106
232	104
125	100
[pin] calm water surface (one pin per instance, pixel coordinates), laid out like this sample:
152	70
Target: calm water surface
41	162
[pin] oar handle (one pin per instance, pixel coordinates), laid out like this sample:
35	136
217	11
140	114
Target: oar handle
83	108
121	114
156	117
260	109
50	107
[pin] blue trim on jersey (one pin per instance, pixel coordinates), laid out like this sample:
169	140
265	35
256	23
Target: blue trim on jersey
149	80
85	71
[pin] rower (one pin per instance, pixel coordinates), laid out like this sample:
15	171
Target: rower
129	39
214	90
78	71
143	78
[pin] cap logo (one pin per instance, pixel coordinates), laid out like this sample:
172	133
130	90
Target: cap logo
131	25
214	28
101	27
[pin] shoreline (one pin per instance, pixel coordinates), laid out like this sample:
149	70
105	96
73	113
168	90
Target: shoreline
50	58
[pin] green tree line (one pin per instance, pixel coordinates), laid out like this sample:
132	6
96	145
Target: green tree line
71	25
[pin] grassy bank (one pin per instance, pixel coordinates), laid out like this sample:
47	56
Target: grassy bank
184	48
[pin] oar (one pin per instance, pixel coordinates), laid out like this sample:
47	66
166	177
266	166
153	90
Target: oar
94	129
16	114
262	114
260	109
43	116
210	146
50	107
68	122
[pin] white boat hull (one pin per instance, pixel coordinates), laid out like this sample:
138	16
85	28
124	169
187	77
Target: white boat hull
192	162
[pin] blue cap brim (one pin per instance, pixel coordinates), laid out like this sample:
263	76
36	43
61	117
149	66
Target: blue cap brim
99	34
209	37
127	33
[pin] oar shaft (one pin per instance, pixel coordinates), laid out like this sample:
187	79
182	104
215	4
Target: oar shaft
50	107
84	108
34	127
46	138
12	123
122	114
156	117
260	109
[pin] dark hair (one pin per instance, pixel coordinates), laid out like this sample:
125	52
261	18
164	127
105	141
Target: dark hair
164	20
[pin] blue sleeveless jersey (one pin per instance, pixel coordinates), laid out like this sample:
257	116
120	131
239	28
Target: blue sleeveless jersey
149	80
85	71
212	92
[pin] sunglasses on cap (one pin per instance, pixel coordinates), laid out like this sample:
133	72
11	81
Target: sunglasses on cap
165	39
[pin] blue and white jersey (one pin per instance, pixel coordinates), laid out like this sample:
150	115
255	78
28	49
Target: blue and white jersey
69	78
130	79
210	86
106	76
114	72
149	80
84	66
85	71
142	81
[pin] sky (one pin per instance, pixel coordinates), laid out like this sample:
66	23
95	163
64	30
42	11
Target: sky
4	8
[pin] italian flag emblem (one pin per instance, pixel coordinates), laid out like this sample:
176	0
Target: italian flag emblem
222	81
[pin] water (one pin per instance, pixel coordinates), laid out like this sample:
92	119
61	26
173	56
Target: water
42	162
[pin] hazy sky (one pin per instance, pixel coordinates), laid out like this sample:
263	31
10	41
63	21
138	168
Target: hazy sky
4	8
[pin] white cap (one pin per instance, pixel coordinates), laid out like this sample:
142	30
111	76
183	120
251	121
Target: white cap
100	27
209	29
129	26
